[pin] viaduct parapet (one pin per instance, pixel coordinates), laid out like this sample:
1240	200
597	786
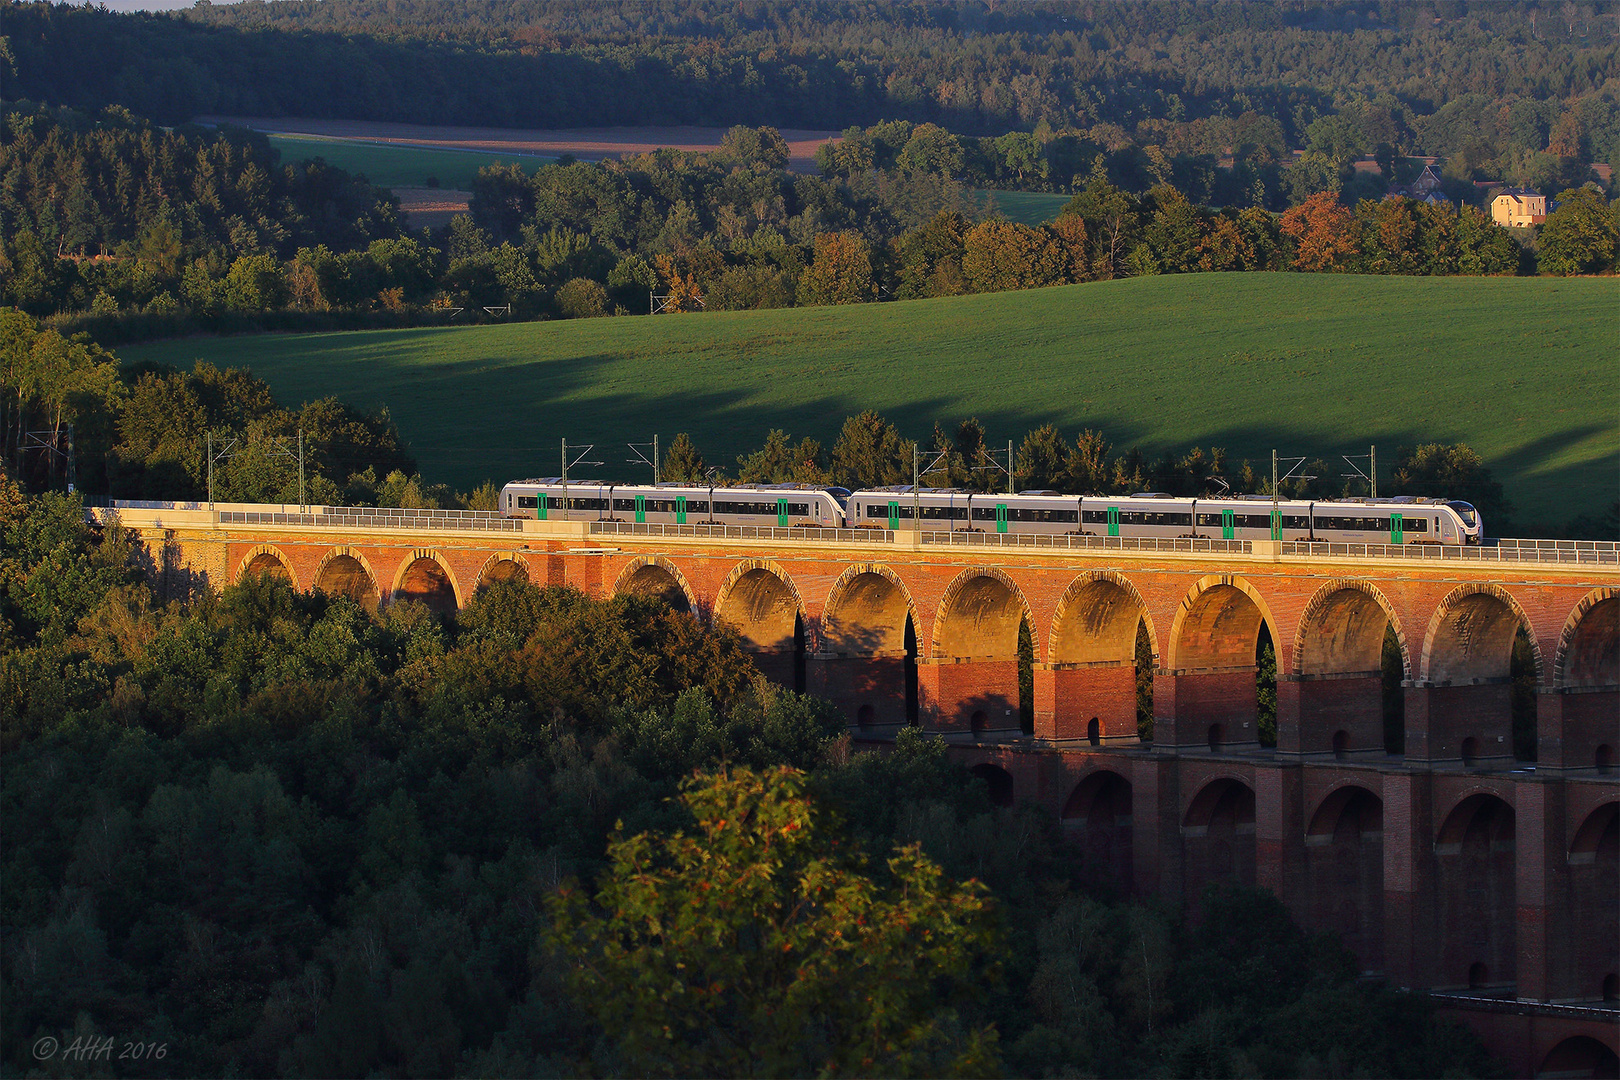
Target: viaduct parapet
1449	866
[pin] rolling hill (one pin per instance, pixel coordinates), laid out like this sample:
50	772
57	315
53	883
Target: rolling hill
1522	369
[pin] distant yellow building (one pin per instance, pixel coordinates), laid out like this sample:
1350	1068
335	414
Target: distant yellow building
1517	208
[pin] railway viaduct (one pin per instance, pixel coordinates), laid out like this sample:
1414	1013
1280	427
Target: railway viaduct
1448	866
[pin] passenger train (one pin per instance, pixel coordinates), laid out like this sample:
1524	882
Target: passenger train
1400	520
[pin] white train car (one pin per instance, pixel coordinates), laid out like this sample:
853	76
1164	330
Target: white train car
779	505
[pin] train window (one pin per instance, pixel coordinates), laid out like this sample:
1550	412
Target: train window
876	510
528	502
944	513
553	502
1415	524
984	513
1296	521
1353	524
1153	517
624	504
697	506
1051	517
1095	517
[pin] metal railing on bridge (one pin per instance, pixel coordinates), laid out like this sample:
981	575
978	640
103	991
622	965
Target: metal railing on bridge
964	538
372	517
1502	551
743	532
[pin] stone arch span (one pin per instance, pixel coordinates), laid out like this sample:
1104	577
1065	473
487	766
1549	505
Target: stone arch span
759	600
1344	867
1206	693
1342	630
866	613
1087	689
1476	888
1470	636
1218	838
1589	646
1580	1055
979	617
654	575
1594	885
1096	621
267	559
344	571
425	576
502	566
1097	815
1217	625
1333	702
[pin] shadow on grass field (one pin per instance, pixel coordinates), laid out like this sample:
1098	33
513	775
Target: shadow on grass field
1520	369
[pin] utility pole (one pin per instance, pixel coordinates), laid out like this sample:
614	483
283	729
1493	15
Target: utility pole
1009	467
1372	470
210	448
72	466
303	503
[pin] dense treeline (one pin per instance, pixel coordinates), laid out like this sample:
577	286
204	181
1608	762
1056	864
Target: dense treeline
117	227
279	835
143	432
972	67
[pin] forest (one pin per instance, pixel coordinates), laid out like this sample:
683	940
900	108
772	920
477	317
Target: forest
276	834
981	69
130	231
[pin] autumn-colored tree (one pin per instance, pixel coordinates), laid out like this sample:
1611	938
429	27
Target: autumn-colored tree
841	272
762	944
1001	255
1324	233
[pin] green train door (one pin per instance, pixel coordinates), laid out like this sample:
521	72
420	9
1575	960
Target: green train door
1001	517
680	509
1113	521
781	512
894	515
1397	533
1227	521
641	509
1276	524
541	505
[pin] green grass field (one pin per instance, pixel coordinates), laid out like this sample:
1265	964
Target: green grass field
399	166
1522	369
1027	207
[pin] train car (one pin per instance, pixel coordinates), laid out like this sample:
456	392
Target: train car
1404	519
782	505
956	510
1249	517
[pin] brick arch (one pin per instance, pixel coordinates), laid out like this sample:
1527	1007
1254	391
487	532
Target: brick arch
1476	891
972	614
1468	624
1589	645
498	568
766	605
255	561
650	569
1593	826
1332	804
361	587
1088	626
1344	870
1213	601
1462	808
886	600
1209	795
1344	607
411	573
